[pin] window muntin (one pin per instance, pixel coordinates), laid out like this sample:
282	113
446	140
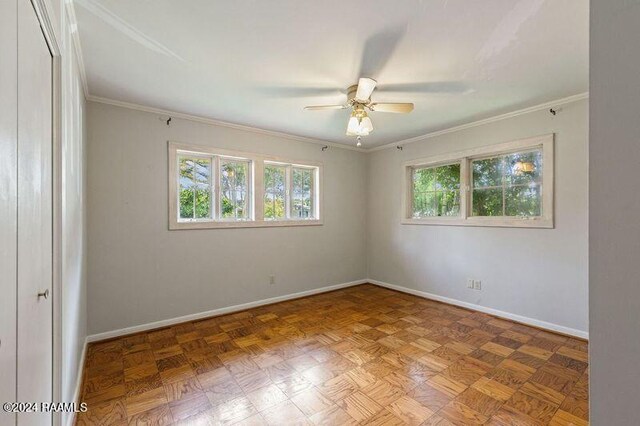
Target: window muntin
275	193
234	189
508	185
435	191
302	193
195	187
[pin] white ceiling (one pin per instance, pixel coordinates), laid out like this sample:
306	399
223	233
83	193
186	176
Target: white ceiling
258	63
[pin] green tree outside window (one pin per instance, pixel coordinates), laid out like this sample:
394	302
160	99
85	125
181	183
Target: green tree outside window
436	191
508	185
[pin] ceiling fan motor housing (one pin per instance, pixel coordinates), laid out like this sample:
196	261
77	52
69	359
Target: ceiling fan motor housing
351	97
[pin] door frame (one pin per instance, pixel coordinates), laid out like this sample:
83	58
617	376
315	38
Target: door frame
46	17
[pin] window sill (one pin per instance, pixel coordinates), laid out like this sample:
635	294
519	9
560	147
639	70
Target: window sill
244	224
483	221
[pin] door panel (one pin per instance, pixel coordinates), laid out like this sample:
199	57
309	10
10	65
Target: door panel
35	257
8	203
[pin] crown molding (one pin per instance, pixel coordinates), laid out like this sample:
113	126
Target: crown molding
211	121
70	10
544	106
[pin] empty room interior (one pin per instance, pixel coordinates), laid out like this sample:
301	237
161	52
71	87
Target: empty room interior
288	212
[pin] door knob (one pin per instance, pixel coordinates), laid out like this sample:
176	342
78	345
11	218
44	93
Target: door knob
44	294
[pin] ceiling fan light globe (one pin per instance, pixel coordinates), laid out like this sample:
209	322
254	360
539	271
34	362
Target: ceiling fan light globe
366	124
360	132
353	126
359	127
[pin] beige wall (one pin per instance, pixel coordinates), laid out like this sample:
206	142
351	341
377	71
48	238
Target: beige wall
140	272
540	274
614	229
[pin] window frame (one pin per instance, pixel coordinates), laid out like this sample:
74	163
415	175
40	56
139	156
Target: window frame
212	173
290	198
256	189
219	160
413	168
288	191
287	180
546	220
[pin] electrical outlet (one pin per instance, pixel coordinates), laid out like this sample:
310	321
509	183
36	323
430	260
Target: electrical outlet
470	283
477	284
272	279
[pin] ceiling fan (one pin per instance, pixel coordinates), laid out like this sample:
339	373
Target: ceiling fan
359	100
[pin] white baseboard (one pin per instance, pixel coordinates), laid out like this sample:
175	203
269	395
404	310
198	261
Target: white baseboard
216	312
502	314
230	309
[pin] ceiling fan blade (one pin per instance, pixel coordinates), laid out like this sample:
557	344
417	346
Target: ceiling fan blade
392	107
323	107
365	88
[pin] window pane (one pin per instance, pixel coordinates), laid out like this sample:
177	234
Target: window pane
436	191
448	177
195	187
423	180
523	200
516	193
202	170
523	167
234	189
274	192
487	202
186	203
487	172
448	203
424	204
302	194
203	202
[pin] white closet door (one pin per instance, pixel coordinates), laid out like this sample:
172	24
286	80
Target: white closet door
35	266
8	204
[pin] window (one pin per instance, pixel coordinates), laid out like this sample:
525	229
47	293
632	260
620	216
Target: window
507	185
302	193
436	191
502	185
198	191
211	188
275	205
289	192
195	187
234	189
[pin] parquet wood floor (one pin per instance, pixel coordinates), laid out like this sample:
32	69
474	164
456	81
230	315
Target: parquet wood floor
361	355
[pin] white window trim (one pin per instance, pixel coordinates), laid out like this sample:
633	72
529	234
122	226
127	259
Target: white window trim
256	182
546	142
